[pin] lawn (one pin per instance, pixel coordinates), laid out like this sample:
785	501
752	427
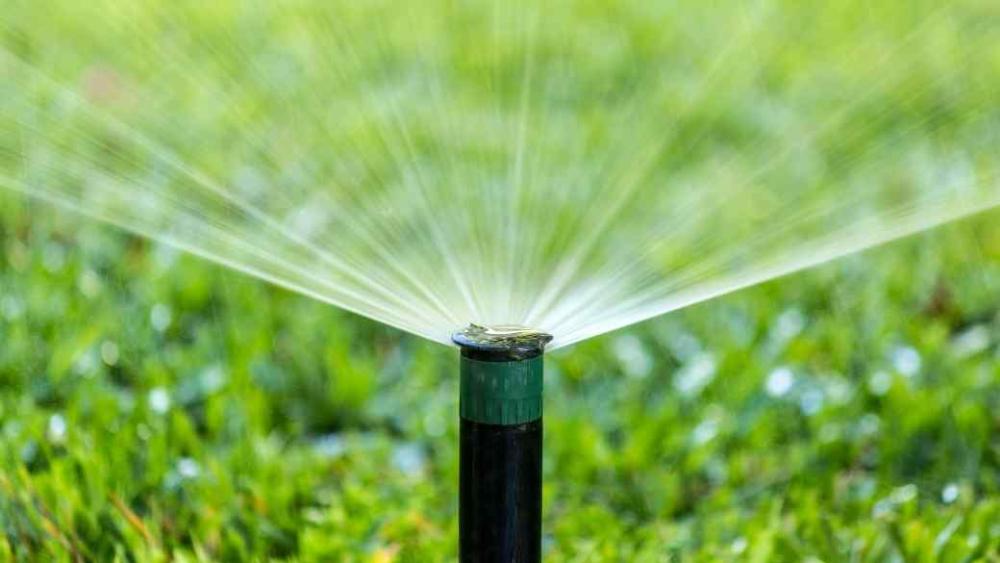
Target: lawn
155	406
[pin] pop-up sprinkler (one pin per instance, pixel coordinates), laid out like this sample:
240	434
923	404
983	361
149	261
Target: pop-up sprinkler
500	473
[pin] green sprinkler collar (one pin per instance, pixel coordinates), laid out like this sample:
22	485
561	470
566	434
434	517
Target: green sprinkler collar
501	374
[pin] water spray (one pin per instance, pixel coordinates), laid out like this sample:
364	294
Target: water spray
500	467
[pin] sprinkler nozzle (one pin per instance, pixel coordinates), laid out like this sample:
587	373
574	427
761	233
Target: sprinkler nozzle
501	373
505	343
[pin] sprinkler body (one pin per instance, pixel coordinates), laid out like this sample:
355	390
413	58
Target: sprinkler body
500	467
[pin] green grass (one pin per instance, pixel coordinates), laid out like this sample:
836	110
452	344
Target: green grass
156	407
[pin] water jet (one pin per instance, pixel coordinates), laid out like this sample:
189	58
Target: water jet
500	467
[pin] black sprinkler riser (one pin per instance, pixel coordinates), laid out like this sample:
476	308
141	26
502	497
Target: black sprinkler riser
500	492
500	467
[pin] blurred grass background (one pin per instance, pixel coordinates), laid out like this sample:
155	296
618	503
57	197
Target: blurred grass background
156	407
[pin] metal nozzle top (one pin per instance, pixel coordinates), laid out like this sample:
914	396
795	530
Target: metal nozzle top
501	343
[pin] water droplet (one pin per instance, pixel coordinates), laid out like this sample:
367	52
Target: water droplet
160	317
739	545
882	508
309	219
683	345
788	325
971	342
86	363
56	432
109	353
705	431
635	360
159	400
869	424
780	381
212	379
329	446
839	390
188	468
811	401
29	451
950	493
12	307
904	494
862	488
89	284
409	458
906	360
695	375
716	471
164	256
879	383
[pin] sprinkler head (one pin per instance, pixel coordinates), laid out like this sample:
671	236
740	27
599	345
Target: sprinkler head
505	343
501	374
